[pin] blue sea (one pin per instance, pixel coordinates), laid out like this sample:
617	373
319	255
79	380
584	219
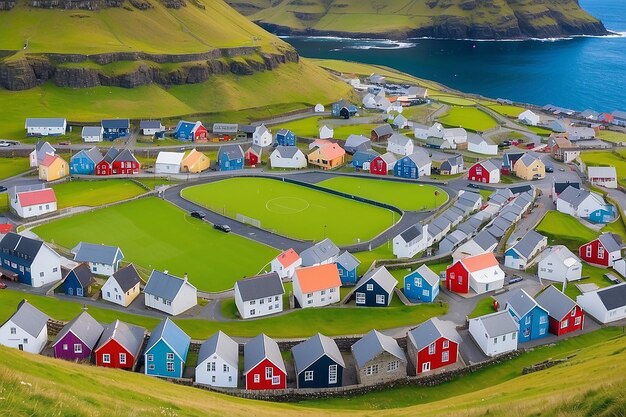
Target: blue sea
577	73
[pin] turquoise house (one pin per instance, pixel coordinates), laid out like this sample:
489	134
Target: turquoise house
166	351
531	317
85	161
421	285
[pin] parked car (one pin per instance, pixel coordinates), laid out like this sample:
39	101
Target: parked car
223	227
549	168
470	185
65	143
3	286
2	188
514	279
562	169
198	215
4	144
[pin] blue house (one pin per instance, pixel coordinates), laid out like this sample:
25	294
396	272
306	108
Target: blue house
115	128
347	265
361	158
421	285
343	109
375	289
285	137
230	157
85	161
604	215
28	261
78	281
531	317
183	130
318	363
413	166
166	351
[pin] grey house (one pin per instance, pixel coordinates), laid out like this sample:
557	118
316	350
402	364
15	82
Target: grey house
102	259
357	143
378	358
324	252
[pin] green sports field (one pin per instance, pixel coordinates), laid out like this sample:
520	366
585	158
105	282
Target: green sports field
293	210
405	196
10	167
470	118
156	234
95	193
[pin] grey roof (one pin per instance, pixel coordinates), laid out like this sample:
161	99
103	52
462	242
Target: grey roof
411	233
85	327
589	113
399	139
489	165
258	150
94	154
430	331
283	132
613	297
45	122
420	158
319	252
356	140
381	276
519	189
92	131
221	345
498	324
528	159
127	277
521	302
173	335
261	286
373	344
557	304
441	222
477	139
308	352
470	197
509	215
231	151
526	245
247	129
102	254
125	155
428	274
287	151
468	226
348	261
485	240
573	196
610	241
150	124
496	231
389	158
383	130
22	245
129	336
83	275
111	154
29	318
619	114
115	123
164	285
259	348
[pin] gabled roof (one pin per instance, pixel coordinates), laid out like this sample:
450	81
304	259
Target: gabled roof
170	158
399	139
222	345
528	159
619	114
259	348
125	156
192	157
488	164
288	257
348	261
102	254
480	262
603	172
575	197
258	150
150	124
559	187
317	278
83	275
611	242
520	302
331	151
261	286
37	197
427	274
430	331
164	285
613	297
171	334
411	233
127	277
127	335
283	132
29	318
23	246
287	151
308	352
368	154
93	154
382	277
383	130
111	154
356	140
373	344
477	139
526	245
319	252
454	131
498	324
519	189
561	254
48	160
115	123
557	304
91	131
420	158
85	327
45	122
389	158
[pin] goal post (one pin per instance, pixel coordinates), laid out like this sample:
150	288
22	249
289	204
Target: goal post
248	220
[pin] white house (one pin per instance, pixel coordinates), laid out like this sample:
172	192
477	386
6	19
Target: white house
151	127
400	121
26	329
479	144
602	176
317	286
31	261
168	162
579	203
482	242
32	203
122	287
102	259
326	132
456	135
559	264
218	362
528	117
37	156
523	251
369	101
424	132
262	136
400	144
411	242
620	266
46	126
92	134
169	294
259	296
319	108
288	157
324	252
286	263
495	333
606	304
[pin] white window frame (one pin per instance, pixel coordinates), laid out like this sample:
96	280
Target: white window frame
308	375
380	299
106	358
332	374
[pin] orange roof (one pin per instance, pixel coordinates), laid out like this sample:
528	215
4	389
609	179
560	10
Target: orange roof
317	278
480	262
49	160
332	151
288	257
192	157
33	198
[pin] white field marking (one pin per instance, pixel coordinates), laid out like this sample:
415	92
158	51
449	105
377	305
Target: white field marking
286	209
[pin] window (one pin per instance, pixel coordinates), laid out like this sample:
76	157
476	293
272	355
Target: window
543	319
25	341
252	312
151	367
573	312
514	336
55	269
527	321
340	272
310	302
41	274
226	368
588	251
445	356
13	330
370	287
276	380
495	340
106	358
210	366
213	378
426	293
332	374
393	365
360	298
332	290
270	308
78	348
380	299
276	306
230	378
408	286
308	375
600	252
262	301
431	349
170	367
276	298
446	344
577	321
323	292
253	302
170	356
418	282
371	370
257	378
150	357
309	295
122	358
542	330
269	372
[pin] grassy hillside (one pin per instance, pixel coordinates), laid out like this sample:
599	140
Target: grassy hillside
591	384
439	18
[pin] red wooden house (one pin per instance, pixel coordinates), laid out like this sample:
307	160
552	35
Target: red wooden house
603	251
105	167
383	164
432	345
485	171
126	164
200	133
480	273
564	315
119	346
253	155
264	367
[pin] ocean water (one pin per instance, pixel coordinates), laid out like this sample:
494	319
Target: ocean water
578	73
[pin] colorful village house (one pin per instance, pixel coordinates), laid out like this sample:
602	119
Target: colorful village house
318	363
28	261
37	156
316	286
123	287
375	289
413	166
195	162
485	171
78	338
26	329
264	367
191	131
285	137
432	345
125	163
602	251
532	319
230	157
32	202
286	263
115	128
53	168
383	164
105	166
347	266
480	273
218	362
166	351
326	155
102	259
421	285
120	345
84	162
378	358
253	155
565	316
78	281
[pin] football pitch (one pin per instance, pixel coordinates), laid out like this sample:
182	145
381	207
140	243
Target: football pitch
293	210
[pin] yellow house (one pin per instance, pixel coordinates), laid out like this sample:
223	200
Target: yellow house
53	167
195	162
529	168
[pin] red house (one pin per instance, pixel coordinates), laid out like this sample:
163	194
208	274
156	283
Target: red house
603	251
125	163
264	367
253	155
481	273
119	345
382	164
485	171
564	314
105	167
200	133
433	345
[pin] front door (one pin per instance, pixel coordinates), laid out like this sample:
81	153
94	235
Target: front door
71	291
426	367
20	346
79	292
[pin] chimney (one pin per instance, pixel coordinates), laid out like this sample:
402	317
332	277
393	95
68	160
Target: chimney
166	271
185	277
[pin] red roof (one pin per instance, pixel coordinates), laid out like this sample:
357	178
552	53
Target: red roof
316	278
480	262
5	228
288	257
33	198
49	159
